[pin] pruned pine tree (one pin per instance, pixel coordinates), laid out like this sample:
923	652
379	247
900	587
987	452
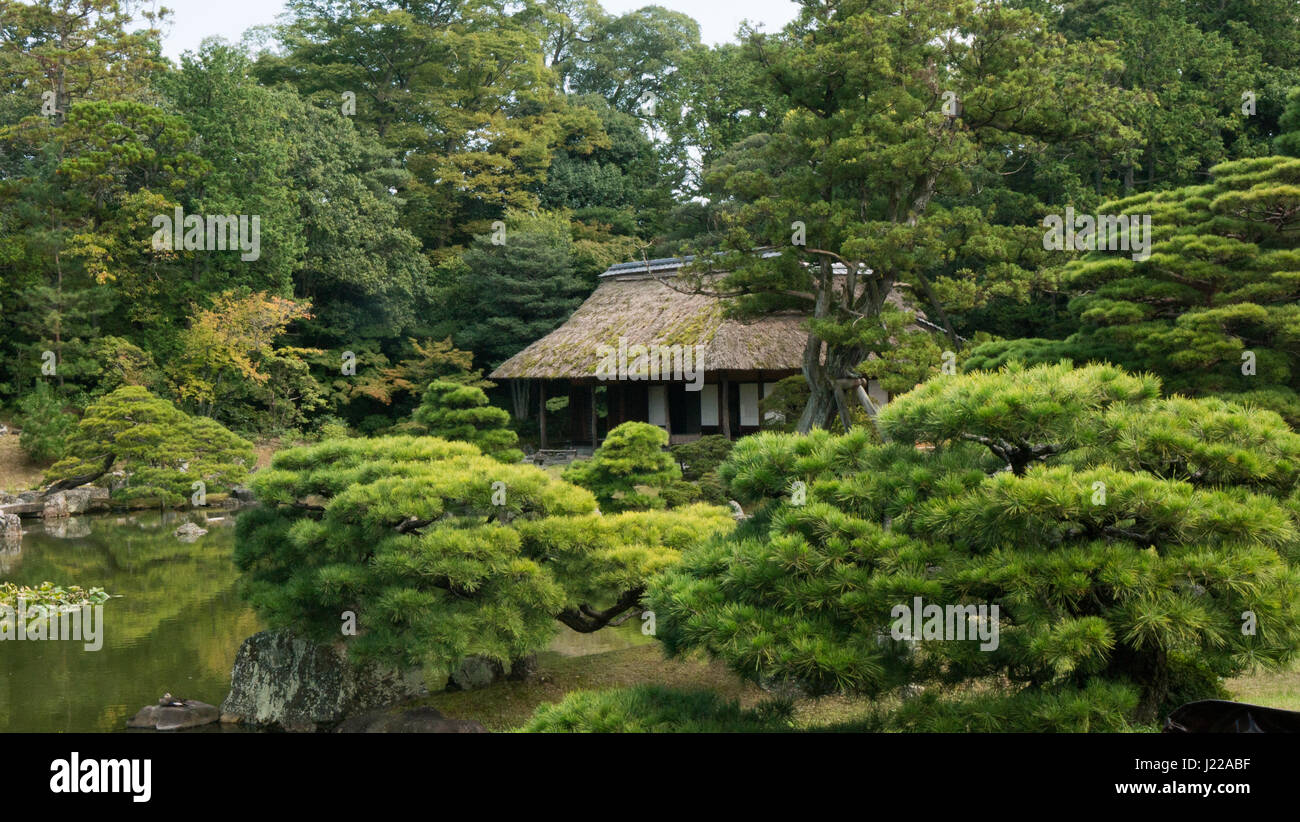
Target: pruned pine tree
442	553
1138	550
159	450
1212	310
632	458
461	412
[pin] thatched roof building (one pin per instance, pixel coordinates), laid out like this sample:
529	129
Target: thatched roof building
661	355
645	309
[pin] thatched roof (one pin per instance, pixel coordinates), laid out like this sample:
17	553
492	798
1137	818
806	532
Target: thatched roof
645	309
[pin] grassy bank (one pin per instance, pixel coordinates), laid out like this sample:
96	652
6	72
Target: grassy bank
1273	689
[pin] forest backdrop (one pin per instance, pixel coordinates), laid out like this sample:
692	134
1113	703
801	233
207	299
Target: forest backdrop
439	183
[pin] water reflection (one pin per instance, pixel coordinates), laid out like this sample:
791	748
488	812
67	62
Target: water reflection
174	625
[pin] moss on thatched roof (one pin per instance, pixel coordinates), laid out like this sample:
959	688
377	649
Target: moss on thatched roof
648	311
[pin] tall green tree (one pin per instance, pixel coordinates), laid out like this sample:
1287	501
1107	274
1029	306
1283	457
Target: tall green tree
1212	309
459	90
513	286
888	111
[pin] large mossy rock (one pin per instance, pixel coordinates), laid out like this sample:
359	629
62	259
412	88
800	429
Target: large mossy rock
286	681
11	527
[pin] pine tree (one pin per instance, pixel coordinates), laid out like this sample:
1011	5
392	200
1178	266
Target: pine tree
887	115
442	553
455	411
161	451
632	455
1212	311
1138	549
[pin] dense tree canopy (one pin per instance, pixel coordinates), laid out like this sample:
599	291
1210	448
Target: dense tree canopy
416	191
1212	310
889	113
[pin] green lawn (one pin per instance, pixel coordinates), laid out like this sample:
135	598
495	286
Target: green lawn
1272	689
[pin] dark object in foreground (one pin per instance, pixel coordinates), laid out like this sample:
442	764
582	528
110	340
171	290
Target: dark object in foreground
171	714
1219	716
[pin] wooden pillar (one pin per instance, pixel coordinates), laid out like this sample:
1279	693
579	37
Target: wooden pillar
541	412
724	399
595	440
668	410
622	403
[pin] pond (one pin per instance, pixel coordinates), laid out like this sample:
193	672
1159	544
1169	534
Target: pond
174	625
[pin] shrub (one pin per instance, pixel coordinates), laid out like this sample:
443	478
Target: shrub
632	455
701	457
700	460
161	450
46	424
461	412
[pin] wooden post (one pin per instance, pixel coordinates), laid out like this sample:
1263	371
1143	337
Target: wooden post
541	412
668	410
595	441
723	397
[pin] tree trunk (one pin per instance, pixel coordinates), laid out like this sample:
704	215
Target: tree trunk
820	408
521	392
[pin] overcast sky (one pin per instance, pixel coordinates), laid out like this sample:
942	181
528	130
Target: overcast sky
192	20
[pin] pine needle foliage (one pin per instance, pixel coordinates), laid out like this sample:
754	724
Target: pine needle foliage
1212	310
160	450
1138	548
441	552
631	457
456	411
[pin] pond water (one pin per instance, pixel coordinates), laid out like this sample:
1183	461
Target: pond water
173	626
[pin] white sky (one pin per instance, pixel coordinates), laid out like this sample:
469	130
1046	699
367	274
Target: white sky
192	20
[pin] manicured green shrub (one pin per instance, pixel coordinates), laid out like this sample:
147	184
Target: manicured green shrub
161	451
632	455
701	457
700	460
461	412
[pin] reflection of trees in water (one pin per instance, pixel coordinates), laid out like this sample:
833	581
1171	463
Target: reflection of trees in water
174	625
